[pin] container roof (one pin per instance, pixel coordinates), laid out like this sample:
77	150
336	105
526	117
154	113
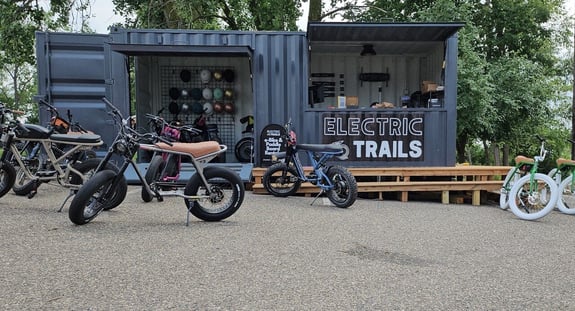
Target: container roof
398	38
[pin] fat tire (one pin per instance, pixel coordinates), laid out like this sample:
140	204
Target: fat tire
91	164
153	175
271	184
244	150
532	207
7	177
225	186
93	192
511	177
344	193
566	200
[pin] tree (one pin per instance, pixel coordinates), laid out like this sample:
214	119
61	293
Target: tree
20	19
211	14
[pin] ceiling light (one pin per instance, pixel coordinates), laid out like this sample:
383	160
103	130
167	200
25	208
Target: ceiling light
367	50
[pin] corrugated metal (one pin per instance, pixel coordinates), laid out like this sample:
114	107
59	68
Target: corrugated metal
274	79
75	71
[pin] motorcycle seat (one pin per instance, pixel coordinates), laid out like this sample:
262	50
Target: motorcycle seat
196	149
85	138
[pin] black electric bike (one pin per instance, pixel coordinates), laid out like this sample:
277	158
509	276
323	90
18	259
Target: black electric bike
211	193
284	178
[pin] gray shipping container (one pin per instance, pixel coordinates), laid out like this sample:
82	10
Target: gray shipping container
276	76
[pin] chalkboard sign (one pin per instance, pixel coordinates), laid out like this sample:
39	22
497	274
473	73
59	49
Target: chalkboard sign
271	141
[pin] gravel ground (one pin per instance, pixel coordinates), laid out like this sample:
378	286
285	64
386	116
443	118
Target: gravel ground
283	254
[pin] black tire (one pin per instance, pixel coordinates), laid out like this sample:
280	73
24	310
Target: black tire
244	150
280	186
88	168
90	199
22	184
7	177
226	197
344	193
152	175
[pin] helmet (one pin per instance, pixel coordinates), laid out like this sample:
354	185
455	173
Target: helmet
217	75
174	93
229	75
218	93
207	93
208	108
185	75
205	76
197	108
185	108
184	93
196	93
229	108
218	107
229	93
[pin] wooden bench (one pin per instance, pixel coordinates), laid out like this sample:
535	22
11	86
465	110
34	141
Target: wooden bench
475	179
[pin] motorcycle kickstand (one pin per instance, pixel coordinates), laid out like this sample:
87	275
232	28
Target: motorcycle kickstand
71	194
317	196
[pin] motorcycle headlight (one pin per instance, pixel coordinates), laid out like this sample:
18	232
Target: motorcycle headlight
121	146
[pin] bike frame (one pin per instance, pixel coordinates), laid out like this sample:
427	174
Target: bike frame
318	160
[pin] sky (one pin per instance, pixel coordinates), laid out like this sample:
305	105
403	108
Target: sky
103	15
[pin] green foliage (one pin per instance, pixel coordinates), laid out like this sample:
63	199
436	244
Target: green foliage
211	14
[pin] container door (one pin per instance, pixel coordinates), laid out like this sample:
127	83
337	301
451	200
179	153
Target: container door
74	72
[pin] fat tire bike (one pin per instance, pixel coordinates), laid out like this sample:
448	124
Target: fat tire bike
211	193
284	178
66	169
530	195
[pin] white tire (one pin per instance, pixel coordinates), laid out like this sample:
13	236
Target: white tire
511	178
566	201
530	201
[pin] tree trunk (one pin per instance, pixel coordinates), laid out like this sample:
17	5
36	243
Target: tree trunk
505	154
314	14
496	154
460	148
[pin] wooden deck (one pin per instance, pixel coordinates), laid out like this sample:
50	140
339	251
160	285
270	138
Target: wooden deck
476	180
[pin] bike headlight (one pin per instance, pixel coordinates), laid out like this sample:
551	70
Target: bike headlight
121	146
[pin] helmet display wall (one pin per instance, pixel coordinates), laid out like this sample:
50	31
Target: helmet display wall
201	90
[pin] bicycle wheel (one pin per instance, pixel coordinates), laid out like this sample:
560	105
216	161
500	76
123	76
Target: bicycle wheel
153	175
344	192
281	180
24	185
532	200
511	178
226	194
566	201
91	198
244	150
7	177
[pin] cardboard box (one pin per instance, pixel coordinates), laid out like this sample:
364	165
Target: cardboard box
351	101
428	86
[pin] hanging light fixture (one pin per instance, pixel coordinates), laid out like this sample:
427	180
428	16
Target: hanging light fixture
367	50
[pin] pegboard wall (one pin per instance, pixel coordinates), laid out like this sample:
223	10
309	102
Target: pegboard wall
194	89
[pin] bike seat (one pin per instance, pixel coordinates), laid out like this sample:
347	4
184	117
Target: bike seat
565	162
524	159
196	149
333	147
81	138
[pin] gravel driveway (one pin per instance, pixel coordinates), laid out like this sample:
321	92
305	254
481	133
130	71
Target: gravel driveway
283	254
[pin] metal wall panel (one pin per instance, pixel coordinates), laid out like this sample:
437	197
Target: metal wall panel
75	71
